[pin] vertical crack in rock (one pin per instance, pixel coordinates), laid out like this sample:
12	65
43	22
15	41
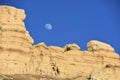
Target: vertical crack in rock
53	64
55	69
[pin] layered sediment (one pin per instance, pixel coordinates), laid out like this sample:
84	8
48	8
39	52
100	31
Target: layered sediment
15	41
20	59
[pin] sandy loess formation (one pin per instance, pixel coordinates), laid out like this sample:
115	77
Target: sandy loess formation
21	60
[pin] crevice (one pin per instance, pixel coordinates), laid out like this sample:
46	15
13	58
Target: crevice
12	50
55	69
89	78
4	30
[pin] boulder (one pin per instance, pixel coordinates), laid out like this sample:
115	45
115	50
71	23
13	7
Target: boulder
95	45
69	47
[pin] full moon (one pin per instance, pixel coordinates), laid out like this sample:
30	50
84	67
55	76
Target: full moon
48	26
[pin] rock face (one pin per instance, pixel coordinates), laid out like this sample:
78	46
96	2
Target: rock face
15	41
22	60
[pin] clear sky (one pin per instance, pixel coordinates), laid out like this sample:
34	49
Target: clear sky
73	21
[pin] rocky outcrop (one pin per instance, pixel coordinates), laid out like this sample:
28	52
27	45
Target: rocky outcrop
21	60
73	46
13	35
101	49
97	46
15	41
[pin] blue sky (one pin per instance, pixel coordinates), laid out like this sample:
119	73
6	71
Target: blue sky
73	21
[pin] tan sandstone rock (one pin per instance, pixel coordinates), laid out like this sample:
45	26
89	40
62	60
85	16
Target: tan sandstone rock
102	49
73	46
95	45
21	60
15	41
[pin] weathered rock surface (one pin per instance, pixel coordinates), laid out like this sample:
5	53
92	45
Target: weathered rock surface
73	46
21	60
15	41
97	46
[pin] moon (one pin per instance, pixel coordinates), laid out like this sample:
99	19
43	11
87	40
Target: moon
48	26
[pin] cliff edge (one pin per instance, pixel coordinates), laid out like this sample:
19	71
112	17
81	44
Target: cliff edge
21	60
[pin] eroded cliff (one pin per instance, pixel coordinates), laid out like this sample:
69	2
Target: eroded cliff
22	60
